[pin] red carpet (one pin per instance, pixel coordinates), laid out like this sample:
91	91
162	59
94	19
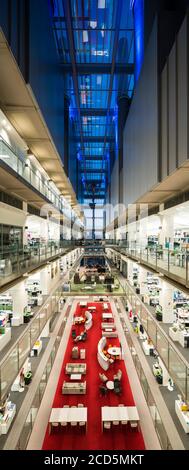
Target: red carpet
116	438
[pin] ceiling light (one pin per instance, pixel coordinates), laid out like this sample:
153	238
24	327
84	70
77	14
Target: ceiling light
85	36
4	122
93	24
101	3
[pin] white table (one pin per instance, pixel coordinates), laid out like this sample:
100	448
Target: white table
107	316
114	351
110	385
119	413
108	329
133	413
75	376
60	415
114	413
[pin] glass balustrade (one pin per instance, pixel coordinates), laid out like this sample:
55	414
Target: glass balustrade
172	262
32	175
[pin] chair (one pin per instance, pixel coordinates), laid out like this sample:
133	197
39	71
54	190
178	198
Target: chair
66	406
123	422
82	423
117	387
115	423
64	423
73	423
80	405
73	334
134	424
103	377
103	390
54	425
107	425
118	376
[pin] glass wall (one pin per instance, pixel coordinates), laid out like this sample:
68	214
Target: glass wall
175	364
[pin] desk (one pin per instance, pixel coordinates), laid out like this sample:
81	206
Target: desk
183	416
114	351
60	415
148	348
37	348
6	421
75	376
5	338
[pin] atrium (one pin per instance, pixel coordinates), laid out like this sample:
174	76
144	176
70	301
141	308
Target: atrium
94	225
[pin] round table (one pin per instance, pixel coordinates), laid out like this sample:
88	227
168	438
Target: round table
110	385
78	320
114	351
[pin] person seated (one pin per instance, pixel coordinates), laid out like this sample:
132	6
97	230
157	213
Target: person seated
81	337
103	389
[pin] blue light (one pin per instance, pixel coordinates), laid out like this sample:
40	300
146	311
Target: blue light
138	10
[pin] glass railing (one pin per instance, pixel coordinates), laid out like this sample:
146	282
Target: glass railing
175	363
149	396
18	353
32	175
23	438
172	262
15	261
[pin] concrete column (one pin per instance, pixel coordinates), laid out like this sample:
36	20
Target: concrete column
142	280
167	231
20	300
166	302
45	280
130	272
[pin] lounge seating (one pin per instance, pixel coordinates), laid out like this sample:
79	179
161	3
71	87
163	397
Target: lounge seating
74	388
102	358
110	334
89	320
75	352
76	368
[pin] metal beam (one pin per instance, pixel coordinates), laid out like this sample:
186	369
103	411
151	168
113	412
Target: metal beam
93	139
68	23
95	68
95	112
92	170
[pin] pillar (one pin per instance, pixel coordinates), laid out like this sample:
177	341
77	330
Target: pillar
142	280
130	272
45	279
123	104
166	236
166	302
66	133
20	300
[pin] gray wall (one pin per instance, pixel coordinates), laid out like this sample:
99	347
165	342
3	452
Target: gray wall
174	105
26	25
140	164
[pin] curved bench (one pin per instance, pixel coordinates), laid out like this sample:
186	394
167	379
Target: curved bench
102	359
89	320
